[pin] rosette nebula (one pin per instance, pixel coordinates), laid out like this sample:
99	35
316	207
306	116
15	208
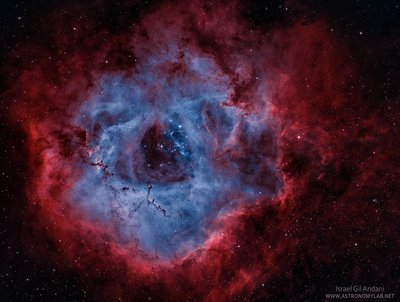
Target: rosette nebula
196	153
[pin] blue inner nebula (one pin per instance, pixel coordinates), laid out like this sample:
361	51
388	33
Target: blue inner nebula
166	156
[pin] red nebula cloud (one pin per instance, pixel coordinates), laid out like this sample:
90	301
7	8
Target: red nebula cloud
326	150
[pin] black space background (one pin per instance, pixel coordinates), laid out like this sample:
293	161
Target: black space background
22	278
